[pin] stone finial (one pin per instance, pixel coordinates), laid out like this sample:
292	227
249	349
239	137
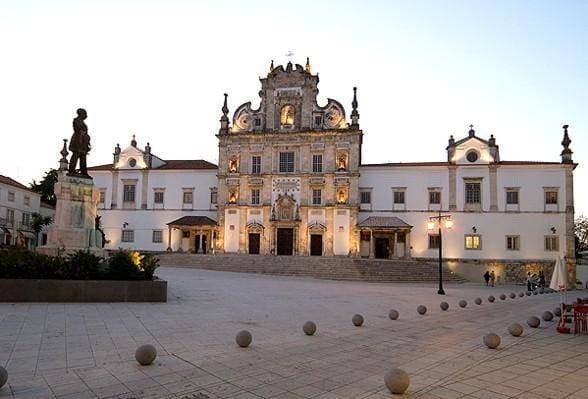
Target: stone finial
224	120
272	66
566	154
134	141
492	141
289	66
148	157
450	149
63	163
493	149
148	148
116	154
354	112
307	67
471	132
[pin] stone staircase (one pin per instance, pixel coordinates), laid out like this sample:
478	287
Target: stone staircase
333	268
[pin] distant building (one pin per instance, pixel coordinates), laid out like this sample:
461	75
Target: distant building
290	181
17	205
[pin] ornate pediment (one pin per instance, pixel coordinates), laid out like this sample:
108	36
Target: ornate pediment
285	209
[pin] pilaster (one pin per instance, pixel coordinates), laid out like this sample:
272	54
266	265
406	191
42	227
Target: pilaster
493	188
452	169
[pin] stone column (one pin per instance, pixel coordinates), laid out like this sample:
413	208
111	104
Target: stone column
200	249
393	252
113	201
570	243
493	188
144	187
169	234
452	187
372	244
407	253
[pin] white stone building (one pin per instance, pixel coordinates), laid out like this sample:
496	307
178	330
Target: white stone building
290	181
17	205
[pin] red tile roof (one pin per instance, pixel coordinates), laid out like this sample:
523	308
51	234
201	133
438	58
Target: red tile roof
172	164
11	182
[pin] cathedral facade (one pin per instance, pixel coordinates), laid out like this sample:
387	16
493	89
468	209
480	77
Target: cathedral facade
290	181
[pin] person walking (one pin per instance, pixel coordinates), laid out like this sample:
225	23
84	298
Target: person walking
541	279
487	278
492	278
529	282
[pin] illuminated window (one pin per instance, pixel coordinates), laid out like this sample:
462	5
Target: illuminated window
473	241
287	115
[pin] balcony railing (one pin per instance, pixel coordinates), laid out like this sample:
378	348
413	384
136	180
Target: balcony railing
6	222
24	226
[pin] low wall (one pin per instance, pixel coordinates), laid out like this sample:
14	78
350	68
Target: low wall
29	290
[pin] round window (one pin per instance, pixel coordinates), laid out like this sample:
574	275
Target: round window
472	156
132	162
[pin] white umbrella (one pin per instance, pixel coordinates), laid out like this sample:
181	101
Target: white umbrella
559	278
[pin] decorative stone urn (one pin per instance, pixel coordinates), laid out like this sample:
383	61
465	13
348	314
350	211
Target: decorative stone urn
74	227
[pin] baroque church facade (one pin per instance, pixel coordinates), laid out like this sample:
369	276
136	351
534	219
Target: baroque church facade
290	181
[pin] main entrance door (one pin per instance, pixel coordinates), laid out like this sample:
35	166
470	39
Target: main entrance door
285	241
382	251
197	247
316	245
254	241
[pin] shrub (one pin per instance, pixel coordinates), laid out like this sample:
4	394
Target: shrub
83	265
131	265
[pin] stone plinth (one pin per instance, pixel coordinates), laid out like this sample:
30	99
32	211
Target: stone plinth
74	225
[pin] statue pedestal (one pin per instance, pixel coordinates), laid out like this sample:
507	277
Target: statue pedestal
74	225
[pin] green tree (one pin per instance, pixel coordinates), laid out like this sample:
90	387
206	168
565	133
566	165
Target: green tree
46	187
38	221
581	230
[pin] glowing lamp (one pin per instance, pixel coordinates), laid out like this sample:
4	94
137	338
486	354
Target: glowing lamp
448	223
431	225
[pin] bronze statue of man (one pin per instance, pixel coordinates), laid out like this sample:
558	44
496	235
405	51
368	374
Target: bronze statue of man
79	144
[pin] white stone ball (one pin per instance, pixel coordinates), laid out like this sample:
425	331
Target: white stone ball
547	316
397	381
533	322
145	354
243	338
309	328
357	320
491	340
515	330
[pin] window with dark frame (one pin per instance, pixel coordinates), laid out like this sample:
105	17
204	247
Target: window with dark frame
317	196
102	197
286	162
157	236
213	196
187	197
473	193
128	236
256	164
473	241
365	197
552	243
551	197
317	163
129	193
513	243
318	121
434	197
434	241
512	197
255	197
158	197
399	197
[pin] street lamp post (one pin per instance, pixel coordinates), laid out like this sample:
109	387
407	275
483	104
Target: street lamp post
431	225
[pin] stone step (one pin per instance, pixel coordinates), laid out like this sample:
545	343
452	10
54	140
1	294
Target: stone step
334	268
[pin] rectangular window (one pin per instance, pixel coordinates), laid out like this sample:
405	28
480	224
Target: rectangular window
473	193
257	122
365	197
286	162
317	163
213	196
10	216
551	197
185	234
10	196
473	241
256	164
513	243
255	197
434	197
187	197
399	197
552	243
434	241
129	193
158	197
27	200
318	121
128	236
157	236
317	197
26	219
512	197
102	198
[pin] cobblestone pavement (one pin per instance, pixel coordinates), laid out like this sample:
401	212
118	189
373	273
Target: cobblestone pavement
87	350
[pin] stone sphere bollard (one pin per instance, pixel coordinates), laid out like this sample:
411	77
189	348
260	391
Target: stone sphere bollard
491	340
478	301
535	292
528	293
145	354
397	381
463	303
557	312
444	305
502	297
521	294
393	314
309	328
513	295
3	376
515	330
491	299
533	321
542	290
243	338
547	316
357	320
421	309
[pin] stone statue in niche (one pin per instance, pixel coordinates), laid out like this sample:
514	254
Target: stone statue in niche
232	197
79	144
287	115
341	163
341	197
233	165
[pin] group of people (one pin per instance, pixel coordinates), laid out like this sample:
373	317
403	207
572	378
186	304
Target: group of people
490	278
534	281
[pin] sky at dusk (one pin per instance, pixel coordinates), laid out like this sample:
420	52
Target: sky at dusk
424	70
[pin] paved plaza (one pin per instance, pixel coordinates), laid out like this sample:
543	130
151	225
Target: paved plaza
87	350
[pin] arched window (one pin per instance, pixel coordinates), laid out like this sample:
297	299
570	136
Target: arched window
287	115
